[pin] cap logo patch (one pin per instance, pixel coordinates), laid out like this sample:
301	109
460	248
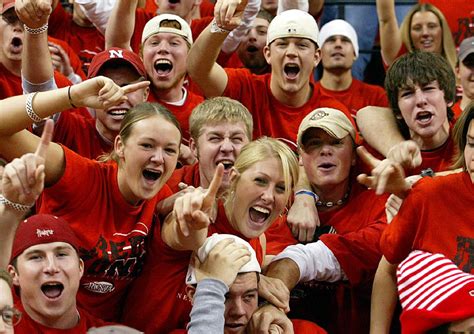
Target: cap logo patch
115	53
292	30
44	233
170	24
318	115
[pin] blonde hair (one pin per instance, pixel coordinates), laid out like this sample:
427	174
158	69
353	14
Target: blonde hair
262	149
140	112
216	110
448	47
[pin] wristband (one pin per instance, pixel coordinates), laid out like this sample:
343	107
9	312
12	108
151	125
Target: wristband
29	108
216	29
16	206
36	31
307	192
69	97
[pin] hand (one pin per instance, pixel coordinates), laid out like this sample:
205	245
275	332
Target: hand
387	176
223	262
196	210
33	13
406	153
275	292
60	59
101	92
303	218
392	206
23	178
266	317
186	156
228	13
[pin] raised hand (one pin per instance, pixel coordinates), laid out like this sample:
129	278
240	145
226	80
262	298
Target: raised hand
23	178
228	13
387	175
303	218
60	59
33	13
223	262
275	292
197	209
406	153
101	92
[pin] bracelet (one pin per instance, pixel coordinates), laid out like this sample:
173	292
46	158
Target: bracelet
216	29
307	192
36	31
69	97
16	206
29	108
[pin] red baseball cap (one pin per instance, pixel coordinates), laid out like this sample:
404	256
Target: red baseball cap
7	4
42	229
116	54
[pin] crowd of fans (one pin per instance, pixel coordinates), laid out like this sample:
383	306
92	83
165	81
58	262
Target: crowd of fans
175	166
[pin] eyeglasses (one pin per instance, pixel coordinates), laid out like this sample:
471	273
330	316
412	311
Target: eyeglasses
10	315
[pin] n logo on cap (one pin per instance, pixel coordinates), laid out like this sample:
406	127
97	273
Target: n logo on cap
115	53
44	233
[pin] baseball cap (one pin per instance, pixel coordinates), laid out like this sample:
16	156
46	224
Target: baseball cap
333	121
293	23
116	54
339	27
466	48
7	4
42	229
210	243
167	23
433	291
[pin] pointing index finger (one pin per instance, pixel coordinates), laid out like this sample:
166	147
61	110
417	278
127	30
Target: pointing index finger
215	183
135	86
45	139
368	158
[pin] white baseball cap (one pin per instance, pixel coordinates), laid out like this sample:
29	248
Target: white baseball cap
293	23
210	243
339	27
168	23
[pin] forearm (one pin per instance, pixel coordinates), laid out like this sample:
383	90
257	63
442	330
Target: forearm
384	298
207	314
121	24
36	65
286	270
202	66
390	39
9	219
373	121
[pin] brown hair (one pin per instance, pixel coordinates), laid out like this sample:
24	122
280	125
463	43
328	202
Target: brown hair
460	135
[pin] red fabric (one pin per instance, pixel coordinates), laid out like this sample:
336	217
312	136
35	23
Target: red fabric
157	301
345	307
142	17
230	60
401	52
111	232
460	16
456	108
183	112
435	218
271	117
357	96
85	41
188	174
74	59
28	325
79	134
438	160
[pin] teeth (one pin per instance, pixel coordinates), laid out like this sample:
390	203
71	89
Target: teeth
162	61
225	162
118	112
260	209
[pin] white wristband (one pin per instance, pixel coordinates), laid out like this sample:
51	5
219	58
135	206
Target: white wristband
36	31
29	108
216	29
16	206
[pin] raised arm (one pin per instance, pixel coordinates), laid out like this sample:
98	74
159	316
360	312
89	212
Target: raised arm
390	38
384	298
121	24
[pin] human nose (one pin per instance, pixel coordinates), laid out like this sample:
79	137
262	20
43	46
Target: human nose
51	265
268	194
157	156
291	49
420	98
226	145
326	149
237	308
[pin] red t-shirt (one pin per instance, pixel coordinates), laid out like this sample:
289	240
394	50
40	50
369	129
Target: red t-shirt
270	116
438	160
435	217
29	326
76	63
344	307
181	113
157	301
79	134
188	174
111	232
85	41
357	96
456	108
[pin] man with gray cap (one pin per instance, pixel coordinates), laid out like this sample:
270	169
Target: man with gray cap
278	100
339	50
465	74
338	268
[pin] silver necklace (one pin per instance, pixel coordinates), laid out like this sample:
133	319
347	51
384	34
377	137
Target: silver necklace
331	204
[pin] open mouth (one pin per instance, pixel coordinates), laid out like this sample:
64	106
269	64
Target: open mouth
151	175
424	117
228	164
258	214
52	290
16	43
252	49
234	326
326	165
163	66
174	2
117	113
291	70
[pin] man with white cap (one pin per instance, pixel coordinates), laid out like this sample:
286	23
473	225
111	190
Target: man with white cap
278	100
343	261
339	50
